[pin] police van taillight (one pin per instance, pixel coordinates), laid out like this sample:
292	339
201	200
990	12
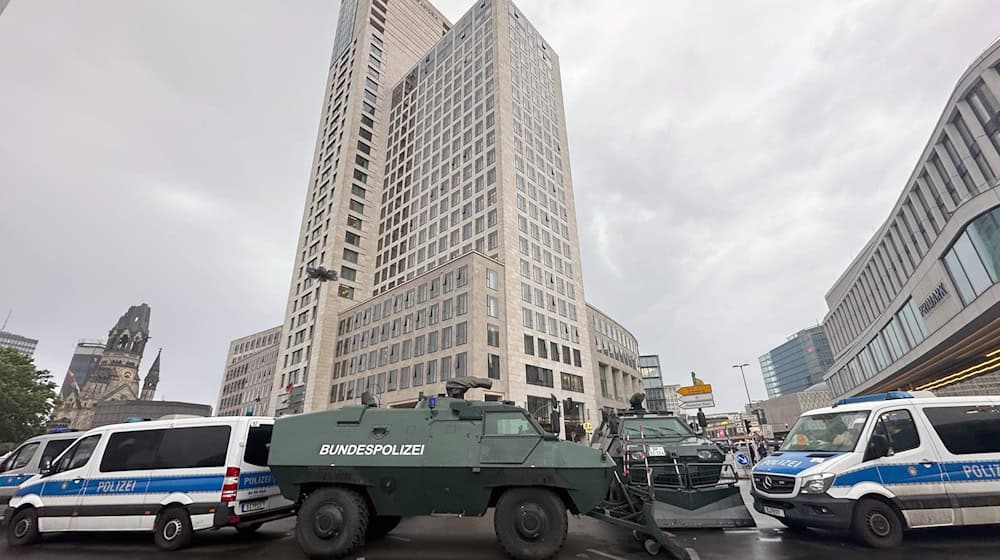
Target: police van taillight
230	485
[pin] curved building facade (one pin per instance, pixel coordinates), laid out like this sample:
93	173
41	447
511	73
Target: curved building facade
615	357
919	307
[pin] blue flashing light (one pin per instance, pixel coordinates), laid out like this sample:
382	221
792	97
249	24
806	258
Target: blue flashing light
891	395
131	419
432	402
59	430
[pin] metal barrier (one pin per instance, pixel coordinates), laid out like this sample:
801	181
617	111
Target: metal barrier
677	475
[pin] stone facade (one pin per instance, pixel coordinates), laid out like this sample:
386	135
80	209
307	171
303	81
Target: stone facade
781	412
461	154
248	378
115	412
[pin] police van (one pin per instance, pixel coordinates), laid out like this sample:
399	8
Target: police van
171	477
23	462
881	464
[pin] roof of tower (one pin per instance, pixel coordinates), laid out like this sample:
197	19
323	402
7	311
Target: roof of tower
135	319
154	370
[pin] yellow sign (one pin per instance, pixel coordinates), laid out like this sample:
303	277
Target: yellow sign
702	389
588	427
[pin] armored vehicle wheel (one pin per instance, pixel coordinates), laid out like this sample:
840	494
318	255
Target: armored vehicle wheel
381	525
172	530
530	523
22	528
332	523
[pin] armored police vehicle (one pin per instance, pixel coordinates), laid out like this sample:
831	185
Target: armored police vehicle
881	464
693	485
169	477
355	472
24	462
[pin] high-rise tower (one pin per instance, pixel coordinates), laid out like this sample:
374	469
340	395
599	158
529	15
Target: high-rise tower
466	241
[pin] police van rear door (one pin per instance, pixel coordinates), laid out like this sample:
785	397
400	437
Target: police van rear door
969	437
258	491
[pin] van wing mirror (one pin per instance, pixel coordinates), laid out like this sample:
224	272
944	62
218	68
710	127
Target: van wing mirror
45	466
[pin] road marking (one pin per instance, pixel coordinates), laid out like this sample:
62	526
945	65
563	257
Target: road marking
739	531
605	554
400	539
693	553
769	539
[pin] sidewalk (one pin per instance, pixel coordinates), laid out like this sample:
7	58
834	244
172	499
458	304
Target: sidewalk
762	521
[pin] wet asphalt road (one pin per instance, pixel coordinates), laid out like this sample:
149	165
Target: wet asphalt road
473	539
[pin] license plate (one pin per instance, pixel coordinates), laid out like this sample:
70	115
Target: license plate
256	505
656	451
777	512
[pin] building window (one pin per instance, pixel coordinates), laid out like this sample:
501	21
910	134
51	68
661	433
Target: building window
974	258
348	273
529	344
493	335
912	322
493	366
491	279
535	375
491	306
570	382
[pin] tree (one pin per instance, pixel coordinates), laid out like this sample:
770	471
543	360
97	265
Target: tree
27	396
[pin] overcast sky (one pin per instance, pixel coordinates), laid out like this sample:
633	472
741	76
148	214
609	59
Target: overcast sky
729	160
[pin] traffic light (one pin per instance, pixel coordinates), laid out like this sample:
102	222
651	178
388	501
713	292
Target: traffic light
746	424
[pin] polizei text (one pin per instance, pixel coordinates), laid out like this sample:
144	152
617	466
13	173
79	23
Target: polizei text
388	449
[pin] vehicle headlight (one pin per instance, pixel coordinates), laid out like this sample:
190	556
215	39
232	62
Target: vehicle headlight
705	454
817	483
637	455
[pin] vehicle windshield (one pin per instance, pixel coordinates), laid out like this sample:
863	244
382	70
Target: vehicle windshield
656	428
835	431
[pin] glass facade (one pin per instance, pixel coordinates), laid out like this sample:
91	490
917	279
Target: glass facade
652	383
797	364
974	258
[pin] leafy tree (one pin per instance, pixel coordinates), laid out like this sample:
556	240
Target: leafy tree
27	396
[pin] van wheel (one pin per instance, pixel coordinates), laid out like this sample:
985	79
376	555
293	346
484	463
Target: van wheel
530	523
248	529
23	528
877	524
172	530
381	525
332	523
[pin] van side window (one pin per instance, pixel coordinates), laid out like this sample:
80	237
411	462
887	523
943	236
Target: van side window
54	447
79	454
967	429
901	430
185	448
258	445
132	450
24	456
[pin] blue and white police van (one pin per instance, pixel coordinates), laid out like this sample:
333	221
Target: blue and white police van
171	477
881	464
23	462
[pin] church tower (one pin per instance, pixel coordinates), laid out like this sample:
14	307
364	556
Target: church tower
117	374
152	379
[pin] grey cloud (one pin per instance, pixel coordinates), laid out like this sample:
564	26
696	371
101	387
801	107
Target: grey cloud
729	160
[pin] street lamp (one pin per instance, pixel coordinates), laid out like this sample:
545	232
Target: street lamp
745	386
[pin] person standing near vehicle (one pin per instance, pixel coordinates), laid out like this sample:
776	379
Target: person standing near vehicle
762	449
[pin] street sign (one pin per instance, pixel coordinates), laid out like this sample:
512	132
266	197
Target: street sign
588	427
742	459
697	401
768	431
705	389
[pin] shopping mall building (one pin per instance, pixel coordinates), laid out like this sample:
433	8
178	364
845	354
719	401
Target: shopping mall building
919	308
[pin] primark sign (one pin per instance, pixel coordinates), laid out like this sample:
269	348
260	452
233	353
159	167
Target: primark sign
931	301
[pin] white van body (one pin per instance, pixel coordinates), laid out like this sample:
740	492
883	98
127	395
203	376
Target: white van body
929	461
23	462
122	477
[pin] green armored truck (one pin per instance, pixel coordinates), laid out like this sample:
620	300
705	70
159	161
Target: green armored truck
355	472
